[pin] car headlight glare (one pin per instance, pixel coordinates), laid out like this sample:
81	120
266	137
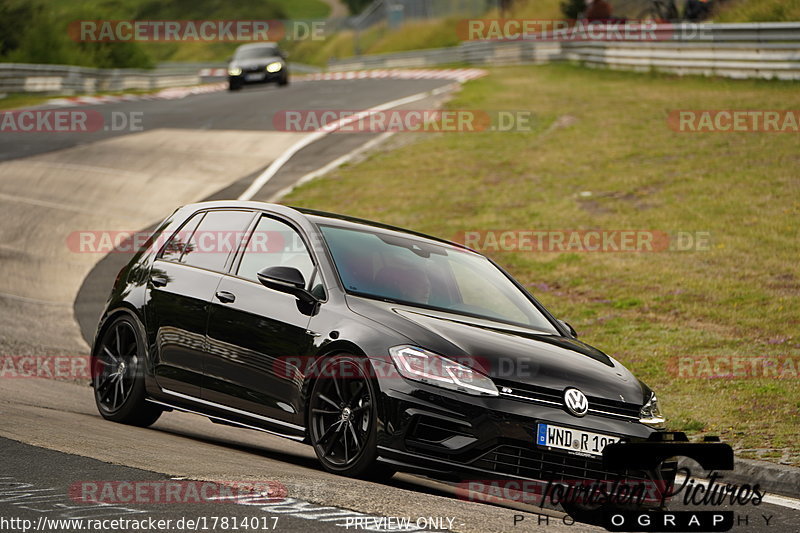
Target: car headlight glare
650	413
234	71
274	66
432	369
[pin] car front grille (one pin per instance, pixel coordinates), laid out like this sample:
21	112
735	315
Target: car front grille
541	395
543	465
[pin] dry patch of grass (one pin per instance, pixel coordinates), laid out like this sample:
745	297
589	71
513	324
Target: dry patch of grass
760	11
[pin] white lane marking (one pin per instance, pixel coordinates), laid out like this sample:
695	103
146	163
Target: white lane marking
783	501
338	516
333	164
277	164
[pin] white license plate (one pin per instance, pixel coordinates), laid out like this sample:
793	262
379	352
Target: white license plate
573	440
254	76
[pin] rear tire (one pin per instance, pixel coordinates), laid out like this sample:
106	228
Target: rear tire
342	419
118	375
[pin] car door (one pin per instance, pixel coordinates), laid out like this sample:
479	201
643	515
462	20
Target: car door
258	336
183	280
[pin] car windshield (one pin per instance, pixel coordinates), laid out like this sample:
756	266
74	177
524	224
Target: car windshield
255	53
392	267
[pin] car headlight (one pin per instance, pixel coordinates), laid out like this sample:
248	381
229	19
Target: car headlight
433	369
234	71
274	66
650	413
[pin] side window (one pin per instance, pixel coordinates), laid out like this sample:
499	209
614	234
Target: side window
274	243
174	248
216	236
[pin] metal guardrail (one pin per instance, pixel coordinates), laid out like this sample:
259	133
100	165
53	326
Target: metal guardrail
64	79
759	50
68	80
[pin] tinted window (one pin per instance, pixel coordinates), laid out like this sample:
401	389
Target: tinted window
274	243
173	250
215	238
255	53
420	272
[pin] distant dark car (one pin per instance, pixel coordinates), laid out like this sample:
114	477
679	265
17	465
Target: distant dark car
257	63
382	348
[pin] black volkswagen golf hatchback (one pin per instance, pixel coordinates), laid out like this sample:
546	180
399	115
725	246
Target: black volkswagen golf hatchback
382	348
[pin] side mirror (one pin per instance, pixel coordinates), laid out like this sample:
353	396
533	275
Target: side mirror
286	279
569	328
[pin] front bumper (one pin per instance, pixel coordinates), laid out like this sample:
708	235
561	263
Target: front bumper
257	76
459	437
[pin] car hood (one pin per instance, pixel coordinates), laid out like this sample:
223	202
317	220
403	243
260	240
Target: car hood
508	354
256	62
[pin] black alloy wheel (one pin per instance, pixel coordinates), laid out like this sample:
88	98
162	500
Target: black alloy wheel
118	376
342	418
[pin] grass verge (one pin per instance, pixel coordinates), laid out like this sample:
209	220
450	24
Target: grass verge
615	164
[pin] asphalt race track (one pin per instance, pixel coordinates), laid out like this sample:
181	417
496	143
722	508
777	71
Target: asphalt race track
199	147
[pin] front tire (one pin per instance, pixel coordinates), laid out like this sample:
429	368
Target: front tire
118	375
342	419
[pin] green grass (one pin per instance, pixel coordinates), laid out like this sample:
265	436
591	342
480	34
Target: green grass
20	100
760	11
304	9
414	35
188	10
739	298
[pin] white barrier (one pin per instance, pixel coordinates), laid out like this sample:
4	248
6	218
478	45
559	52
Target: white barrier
759	50
68	80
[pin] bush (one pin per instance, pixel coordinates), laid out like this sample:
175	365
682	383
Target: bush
29	34
572	9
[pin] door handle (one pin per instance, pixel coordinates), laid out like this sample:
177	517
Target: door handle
225	297
158	282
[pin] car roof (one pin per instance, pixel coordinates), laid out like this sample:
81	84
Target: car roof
326	218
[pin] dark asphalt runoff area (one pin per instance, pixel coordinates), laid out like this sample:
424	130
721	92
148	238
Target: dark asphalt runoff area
44	490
